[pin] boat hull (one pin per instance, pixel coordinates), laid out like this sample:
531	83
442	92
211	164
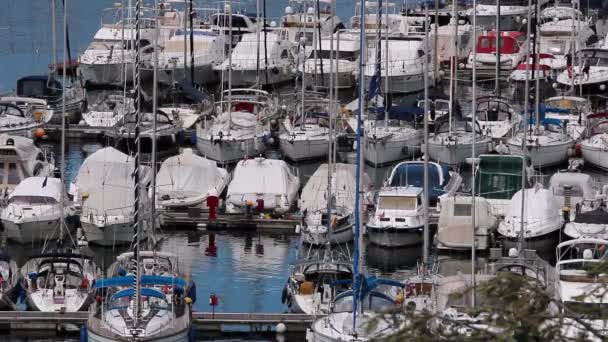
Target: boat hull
203	74
346	80
319	237
457	154
105	74
395	237
32	231
401	84
545	242
182	336
297	150
249	77
229	150
110	235
545	155
595	156
380	153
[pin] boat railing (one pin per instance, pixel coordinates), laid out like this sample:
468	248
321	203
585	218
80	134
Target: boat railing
126	212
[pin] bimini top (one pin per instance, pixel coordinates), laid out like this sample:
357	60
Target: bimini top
412	173
145	291
39	187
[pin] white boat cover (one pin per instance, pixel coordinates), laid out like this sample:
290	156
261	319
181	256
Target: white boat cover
582	184
39	187
269	177
540	205
314	193
108	167
24	147
187	174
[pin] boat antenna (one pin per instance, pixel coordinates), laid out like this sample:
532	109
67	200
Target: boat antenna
425	247
154	124
136	216
358	167
473	122
520	240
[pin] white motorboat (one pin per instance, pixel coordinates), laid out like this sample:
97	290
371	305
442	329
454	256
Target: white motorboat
188	104
446	48
35	210
562	20
49	89
109	110
186	180
262	185
395	138
546	145
20	158
240	129
536	70
104	189
580	289
512	52
373	306
275	61
237	21
208	50
59	281
496	116
11	282
311	287
597	77
345	60
23	116
452	143
541	222
571	108
594	146
399	217
311	23
512	13
313	204
109	59
575	190
405	64
305	133
455	229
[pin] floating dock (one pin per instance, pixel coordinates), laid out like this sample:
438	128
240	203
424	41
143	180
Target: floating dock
204	321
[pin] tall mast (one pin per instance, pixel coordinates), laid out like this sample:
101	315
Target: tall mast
185	39
386	67
191	16
536	69
54	38
332	53
229	5
136	216
497	44
154	110
425	61
520	244
65	49
473	121
257	33
358	175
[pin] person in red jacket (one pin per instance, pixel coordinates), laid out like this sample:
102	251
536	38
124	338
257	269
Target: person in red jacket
212	204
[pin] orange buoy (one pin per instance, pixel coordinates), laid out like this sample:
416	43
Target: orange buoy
40	133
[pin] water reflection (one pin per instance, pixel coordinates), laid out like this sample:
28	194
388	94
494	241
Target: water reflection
389	260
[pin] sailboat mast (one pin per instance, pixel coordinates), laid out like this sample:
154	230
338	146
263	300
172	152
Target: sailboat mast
497	44
191	16
386	68
358	167
473	121
536	69
154	110
229	5
65	49
185	39
332	53
525	126
425	61
136	217
53	28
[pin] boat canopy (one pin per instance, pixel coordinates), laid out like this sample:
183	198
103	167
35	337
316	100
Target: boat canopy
596	216
412	174
499	176
46	187
403	113
145	291
509	43
186	174
145	280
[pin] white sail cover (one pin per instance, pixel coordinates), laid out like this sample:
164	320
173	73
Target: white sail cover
259	176
187	174
107	167
314	193
39	187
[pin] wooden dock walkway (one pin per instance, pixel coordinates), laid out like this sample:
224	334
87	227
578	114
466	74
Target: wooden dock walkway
204	321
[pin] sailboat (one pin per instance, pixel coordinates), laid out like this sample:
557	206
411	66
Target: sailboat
147	300
353	310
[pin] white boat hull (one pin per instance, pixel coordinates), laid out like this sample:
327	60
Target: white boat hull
545	155
109	235
297	150
249	77
182	336
395	237
595	156
111	74
401	83
229	150
457	154
27	232
380	153
318	235
203	74
346	79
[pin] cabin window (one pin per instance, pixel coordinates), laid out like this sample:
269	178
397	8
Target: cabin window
144	42
239	22
462	210
420	53
40	156
485	44
397	203
33	88
284	54
576	191
32	200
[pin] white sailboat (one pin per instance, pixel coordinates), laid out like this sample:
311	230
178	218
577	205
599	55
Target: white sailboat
186	180
452	143
23	116
110	110
594	146
103	189
266	185
35	210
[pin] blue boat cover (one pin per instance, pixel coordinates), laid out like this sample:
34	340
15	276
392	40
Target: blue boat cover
145	291
412	174
146	280
404	113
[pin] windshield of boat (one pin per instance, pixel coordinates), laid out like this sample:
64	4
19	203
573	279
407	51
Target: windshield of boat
10	109
11	174
459	126
398	202
32	200
493	111
588	310
554	47
152	302
373	302
325	54
594	58
115	44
